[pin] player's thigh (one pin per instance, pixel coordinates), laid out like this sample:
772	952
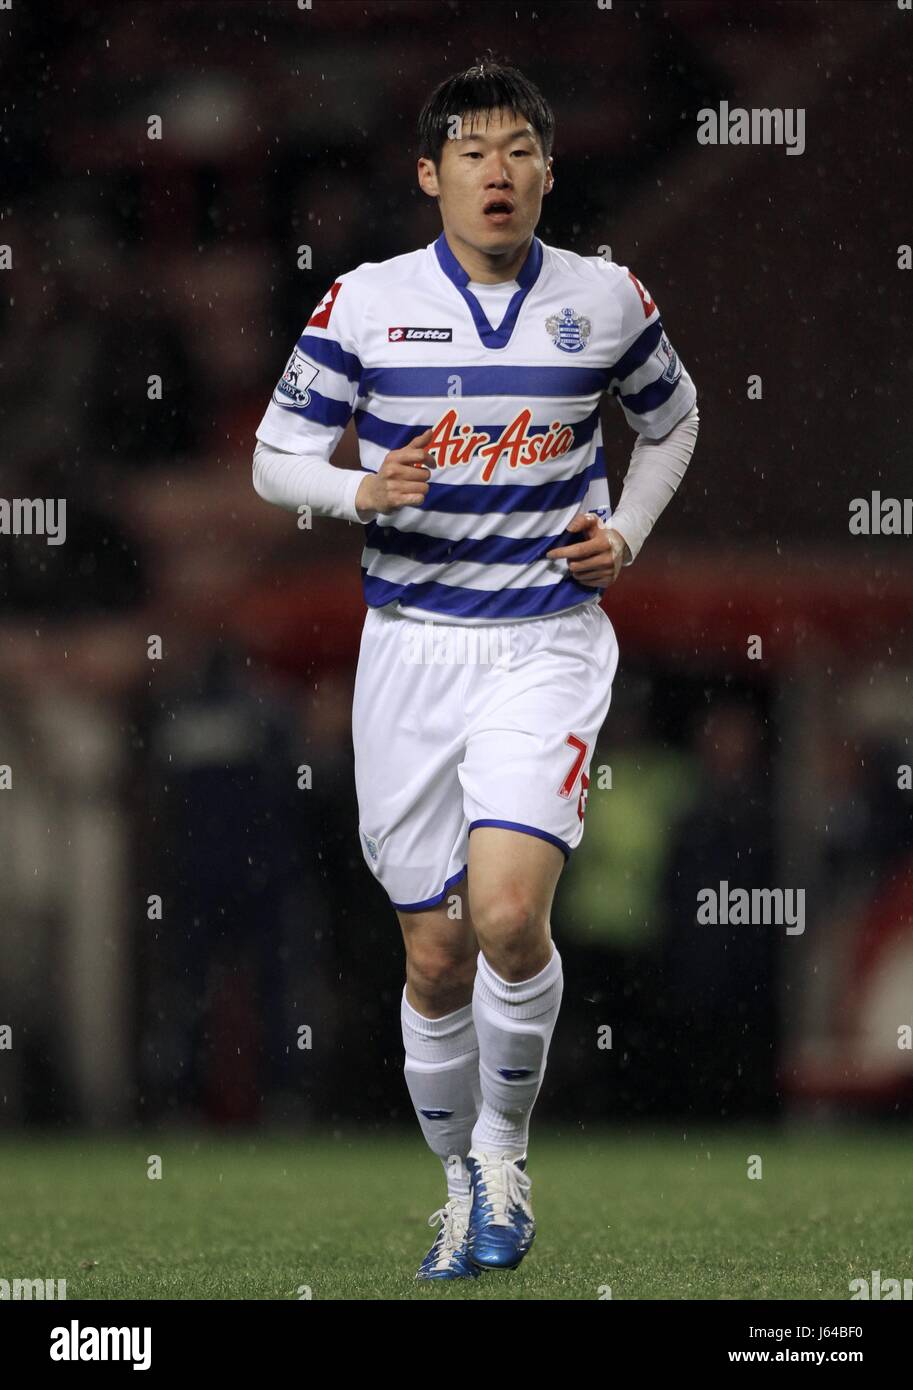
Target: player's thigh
441	949
532	731
512	880
408	741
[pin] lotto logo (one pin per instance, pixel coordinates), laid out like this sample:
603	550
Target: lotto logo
419	335
646	298
321	315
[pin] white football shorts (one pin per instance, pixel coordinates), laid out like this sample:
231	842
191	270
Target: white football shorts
455	726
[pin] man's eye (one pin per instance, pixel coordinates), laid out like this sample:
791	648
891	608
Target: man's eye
526	152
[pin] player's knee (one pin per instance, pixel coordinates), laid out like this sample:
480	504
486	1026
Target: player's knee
513	935
442	977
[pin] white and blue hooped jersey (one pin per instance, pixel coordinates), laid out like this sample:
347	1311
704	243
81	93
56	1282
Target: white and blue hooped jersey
404	345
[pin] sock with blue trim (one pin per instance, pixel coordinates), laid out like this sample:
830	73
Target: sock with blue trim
514	1025
442	1074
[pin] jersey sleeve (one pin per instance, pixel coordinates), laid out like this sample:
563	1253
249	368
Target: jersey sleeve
648	377
314	398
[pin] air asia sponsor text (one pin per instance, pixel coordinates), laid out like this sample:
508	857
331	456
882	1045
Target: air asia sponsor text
452	444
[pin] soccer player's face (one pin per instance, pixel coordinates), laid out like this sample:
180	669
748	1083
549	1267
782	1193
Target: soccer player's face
491	181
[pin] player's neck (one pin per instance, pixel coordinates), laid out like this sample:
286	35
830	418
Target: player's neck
487	269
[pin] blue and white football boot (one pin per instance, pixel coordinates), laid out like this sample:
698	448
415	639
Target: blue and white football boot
447	1258
501	1225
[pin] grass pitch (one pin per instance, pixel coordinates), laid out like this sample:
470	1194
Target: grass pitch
648	1216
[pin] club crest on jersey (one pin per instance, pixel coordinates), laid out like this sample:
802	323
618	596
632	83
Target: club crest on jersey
292	387
666	354
568	331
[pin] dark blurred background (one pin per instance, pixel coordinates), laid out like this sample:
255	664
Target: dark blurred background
174	907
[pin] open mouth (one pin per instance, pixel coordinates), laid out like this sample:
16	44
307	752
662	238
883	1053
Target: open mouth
498	210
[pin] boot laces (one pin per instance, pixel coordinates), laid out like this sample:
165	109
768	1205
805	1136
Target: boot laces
454	1219
506	1187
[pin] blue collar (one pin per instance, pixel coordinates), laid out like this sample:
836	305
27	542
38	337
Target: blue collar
527	277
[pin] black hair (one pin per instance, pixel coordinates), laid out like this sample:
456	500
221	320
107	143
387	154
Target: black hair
487	86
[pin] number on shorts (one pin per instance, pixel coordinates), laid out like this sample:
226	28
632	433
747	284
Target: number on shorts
567	786
581	804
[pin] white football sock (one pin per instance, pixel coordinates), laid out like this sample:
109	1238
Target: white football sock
442	1074
514	1024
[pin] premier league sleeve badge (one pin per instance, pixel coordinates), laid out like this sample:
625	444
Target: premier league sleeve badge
292	387
668	358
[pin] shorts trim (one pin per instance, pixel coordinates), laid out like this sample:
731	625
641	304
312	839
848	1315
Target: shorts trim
431	902
526	830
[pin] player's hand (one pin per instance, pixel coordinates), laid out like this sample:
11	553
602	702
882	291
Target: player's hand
401	480
596	560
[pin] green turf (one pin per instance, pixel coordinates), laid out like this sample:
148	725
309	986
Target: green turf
671	1216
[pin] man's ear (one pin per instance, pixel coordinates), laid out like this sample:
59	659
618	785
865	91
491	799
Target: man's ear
549	175
427	177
